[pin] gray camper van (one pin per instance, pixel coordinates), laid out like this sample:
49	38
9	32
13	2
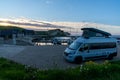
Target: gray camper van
91	46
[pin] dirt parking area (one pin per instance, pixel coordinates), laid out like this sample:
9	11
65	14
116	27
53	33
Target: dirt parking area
43	57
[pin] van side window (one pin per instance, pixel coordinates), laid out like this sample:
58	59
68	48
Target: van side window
102	45
84	47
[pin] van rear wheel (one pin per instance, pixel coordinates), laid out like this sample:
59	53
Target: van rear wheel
78	60
110	57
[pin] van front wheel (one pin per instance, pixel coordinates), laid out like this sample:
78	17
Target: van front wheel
110	57
78	60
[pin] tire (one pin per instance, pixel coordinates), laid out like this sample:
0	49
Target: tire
110	57
78	60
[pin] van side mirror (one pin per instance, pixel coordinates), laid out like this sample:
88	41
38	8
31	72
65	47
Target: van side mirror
86	48
81	49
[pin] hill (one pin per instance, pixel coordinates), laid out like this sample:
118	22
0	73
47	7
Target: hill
7	31
10	27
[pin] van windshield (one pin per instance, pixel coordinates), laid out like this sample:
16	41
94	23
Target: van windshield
75	45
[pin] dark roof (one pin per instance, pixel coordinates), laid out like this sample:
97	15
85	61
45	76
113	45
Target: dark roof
97	31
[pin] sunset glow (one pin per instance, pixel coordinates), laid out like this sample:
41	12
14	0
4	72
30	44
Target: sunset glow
5	24
71	27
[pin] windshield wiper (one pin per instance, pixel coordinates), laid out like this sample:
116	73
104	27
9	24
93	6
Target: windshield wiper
71	48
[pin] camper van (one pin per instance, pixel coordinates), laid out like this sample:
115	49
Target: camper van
91	48
93	44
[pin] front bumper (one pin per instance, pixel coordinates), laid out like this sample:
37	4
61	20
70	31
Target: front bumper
69	57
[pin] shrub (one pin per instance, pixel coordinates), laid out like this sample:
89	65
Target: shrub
10	70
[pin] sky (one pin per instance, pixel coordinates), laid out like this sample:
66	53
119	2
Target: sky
98	11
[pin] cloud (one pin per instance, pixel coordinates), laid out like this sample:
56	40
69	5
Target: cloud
72	27
29	24
78	25
48	2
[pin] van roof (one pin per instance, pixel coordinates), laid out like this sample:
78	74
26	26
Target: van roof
97	31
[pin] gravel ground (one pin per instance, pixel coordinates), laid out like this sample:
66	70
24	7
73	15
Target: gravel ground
43	57
9	51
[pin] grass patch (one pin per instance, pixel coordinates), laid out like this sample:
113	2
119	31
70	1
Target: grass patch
10	70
